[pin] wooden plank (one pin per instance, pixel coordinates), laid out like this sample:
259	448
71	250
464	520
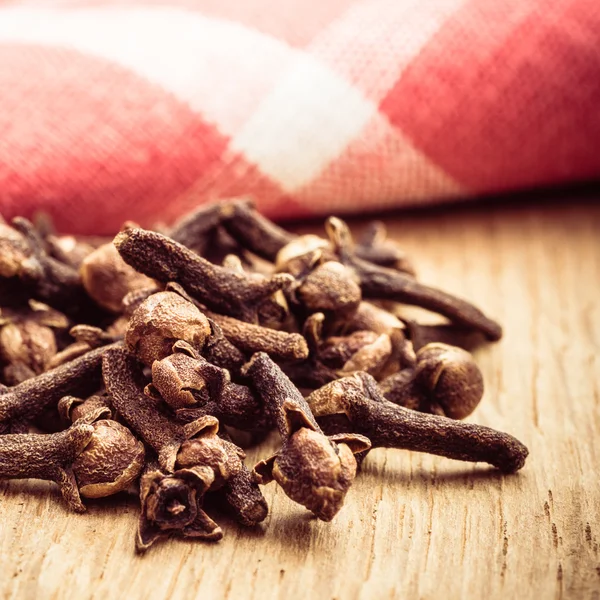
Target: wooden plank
413	526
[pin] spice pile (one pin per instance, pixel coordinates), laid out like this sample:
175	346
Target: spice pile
145	362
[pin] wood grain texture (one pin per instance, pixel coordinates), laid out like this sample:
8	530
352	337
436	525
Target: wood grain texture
413	526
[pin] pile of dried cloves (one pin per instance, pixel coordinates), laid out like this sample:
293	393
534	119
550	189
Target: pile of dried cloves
146	361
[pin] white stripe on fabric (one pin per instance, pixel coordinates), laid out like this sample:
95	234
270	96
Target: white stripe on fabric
305	122
200	60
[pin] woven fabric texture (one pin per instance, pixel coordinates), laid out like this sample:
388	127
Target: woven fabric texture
143	110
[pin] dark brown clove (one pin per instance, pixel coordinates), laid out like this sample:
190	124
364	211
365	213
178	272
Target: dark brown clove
244	499
387	284
252	230
27	347
124	382
111	462
185	379
194	388
368	317
445	381
337	356
251	338
313	470
221	352
235	294
46	456
230	475
49	280
329	288
375	247
390	426
445	333
107	278
72	408
195	230
370	358
237	406
160	321
80	377
172	504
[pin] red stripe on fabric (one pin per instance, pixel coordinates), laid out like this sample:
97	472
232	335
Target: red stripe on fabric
507	94
235	176
91	143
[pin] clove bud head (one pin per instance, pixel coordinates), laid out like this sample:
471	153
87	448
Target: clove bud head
14	250
295	255
160	321
452	382
179	381
173	504
111	461
313	471
330	288
207	449
29	343
107	278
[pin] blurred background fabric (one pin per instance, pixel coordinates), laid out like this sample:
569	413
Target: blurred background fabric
141	110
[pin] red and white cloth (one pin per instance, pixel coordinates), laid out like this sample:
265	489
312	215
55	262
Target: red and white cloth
143	109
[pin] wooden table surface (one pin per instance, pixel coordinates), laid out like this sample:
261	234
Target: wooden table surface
413	526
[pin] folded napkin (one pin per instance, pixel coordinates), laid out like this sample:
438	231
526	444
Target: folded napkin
144	109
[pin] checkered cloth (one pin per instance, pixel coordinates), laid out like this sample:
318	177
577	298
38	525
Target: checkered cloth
145	109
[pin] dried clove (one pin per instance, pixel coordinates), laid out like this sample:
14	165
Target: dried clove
329	288
252	338
219	288
27	347
171	503
207	462
445	333
195	230
370	358
184	378
253	231
49	280
112	460
107	278
166	317
28	341
161	320
390	426
80	377
445	381
333	357
243	498
237	406
312	469
375	247
46	456
71	408
387	284
124	382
